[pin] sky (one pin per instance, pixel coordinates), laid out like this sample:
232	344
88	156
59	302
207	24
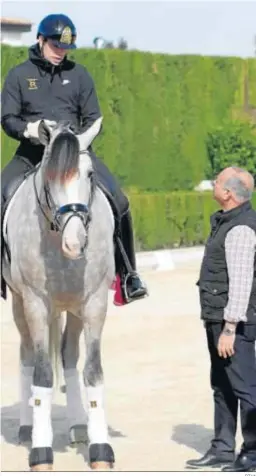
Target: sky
224	28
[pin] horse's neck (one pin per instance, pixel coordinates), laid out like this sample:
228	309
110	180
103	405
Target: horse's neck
102	209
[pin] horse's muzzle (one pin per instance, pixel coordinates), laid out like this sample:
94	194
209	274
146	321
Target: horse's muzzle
73	250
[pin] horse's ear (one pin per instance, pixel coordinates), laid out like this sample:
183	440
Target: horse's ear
45	131
85	139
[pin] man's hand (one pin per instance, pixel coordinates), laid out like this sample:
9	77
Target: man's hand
227	341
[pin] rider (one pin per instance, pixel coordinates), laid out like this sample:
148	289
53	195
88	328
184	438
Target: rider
50	87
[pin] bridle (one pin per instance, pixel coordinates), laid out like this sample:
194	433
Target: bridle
79	210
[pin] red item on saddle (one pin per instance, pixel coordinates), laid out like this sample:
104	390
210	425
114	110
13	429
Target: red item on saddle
118	296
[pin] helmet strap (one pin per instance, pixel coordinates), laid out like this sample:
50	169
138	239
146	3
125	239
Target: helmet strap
41	47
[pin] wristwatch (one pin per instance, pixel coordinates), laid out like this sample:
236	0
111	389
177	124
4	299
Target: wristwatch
228	332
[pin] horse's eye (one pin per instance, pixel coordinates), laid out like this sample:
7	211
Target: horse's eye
90	174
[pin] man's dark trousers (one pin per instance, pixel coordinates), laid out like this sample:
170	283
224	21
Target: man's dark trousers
232	380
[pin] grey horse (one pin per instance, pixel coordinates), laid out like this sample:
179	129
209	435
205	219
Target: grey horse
59	231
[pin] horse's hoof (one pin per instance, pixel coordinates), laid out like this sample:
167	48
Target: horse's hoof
101	456
101	466
41	459
42	467
25	434
78	434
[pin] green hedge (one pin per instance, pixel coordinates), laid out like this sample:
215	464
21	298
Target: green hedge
234	143
157	111
168	220
252	82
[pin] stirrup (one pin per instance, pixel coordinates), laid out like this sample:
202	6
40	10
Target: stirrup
125	286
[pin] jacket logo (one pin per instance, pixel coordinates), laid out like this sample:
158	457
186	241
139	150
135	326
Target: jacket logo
32	83
66	36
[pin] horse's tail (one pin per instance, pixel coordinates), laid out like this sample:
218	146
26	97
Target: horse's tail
55	336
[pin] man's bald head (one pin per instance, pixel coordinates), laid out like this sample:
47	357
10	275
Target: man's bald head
233	186
240	182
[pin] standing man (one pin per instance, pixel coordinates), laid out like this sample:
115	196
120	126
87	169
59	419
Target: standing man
227	287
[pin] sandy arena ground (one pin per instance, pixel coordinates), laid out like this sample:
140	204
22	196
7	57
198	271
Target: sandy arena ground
156	365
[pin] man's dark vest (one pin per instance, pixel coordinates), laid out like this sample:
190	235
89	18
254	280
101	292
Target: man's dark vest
213	281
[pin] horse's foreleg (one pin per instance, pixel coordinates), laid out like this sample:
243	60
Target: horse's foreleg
26	369
41	454
76	415
100	452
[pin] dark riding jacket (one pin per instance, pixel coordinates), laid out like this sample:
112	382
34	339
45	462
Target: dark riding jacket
36	89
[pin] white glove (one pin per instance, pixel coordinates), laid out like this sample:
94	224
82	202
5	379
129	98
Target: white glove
31	131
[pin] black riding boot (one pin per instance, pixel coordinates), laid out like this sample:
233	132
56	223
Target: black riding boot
132	286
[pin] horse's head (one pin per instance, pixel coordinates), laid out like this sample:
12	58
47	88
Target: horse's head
68	181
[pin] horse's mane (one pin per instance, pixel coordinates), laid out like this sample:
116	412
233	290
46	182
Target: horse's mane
63	159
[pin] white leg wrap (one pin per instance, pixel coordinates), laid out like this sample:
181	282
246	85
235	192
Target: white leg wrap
97	425
41	401
26	379
75	409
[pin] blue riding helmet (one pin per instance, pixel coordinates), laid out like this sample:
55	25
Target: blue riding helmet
60	29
